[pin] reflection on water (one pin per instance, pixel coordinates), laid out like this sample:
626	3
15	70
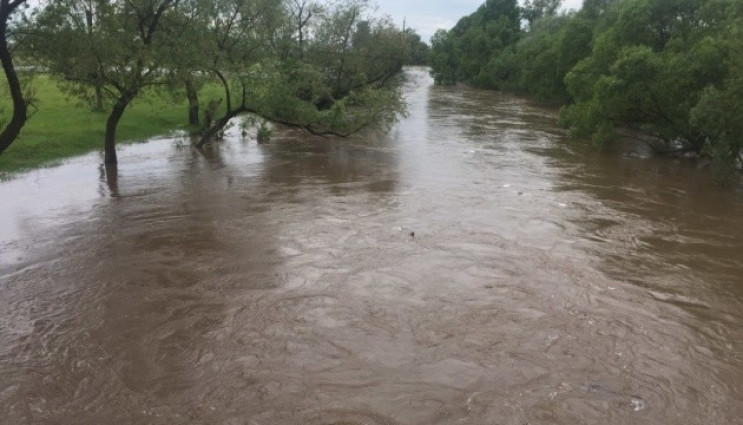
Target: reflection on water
545	283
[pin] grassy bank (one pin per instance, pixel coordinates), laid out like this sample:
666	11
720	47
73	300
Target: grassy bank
62	127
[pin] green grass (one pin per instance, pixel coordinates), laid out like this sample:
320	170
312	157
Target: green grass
62	127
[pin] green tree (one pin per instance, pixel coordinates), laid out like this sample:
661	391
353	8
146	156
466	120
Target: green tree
320	81
540	63
418	50
471	52
648	69
301	14
254	49
538	9
117	54
443	58
717	114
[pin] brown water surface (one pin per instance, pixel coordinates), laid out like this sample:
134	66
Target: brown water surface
546	283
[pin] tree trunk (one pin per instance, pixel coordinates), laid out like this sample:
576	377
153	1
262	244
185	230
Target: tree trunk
98	99
193	103
301	43
111	123
98	107
20	109
226	87
110	175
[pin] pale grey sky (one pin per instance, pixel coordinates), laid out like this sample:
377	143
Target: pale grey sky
427	16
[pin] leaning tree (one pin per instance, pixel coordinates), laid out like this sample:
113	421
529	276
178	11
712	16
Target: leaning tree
306	74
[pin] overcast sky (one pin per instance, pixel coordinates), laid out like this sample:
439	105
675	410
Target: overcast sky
426	16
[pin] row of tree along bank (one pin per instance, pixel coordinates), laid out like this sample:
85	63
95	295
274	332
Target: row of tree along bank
669	70
326	67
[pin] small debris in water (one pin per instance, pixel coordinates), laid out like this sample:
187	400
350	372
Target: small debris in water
412	234
638	404
506	185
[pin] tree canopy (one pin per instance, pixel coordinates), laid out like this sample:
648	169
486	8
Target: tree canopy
326	67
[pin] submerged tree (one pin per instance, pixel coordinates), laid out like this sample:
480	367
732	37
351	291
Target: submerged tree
665	72
334	89
253	49
651	65
717	114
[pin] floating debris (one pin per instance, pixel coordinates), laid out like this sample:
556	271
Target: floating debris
638	404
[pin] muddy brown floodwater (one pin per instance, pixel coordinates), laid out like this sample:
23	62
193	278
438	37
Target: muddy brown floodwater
546	283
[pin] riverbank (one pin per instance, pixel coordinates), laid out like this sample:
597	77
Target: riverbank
63	127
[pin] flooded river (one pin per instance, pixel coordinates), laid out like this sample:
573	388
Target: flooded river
473	266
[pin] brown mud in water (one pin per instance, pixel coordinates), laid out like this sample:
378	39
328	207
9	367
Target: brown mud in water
546	283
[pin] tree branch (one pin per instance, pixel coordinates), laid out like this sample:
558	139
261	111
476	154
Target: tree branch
14	5
226	87
156	19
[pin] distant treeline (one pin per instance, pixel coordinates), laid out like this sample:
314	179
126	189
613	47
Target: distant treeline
668	71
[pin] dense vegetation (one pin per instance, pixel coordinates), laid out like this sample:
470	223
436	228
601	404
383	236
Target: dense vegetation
669	72
328	68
